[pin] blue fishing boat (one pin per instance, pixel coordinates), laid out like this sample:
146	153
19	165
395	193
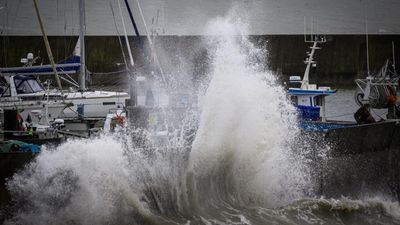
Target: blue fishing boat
309	99
367	147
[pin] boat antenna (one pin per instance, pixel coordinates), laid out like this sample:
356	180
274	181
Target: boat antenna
305	31
366	37
132	77
135	28
394	57
82	28
310	61
126	36
153	52
48	49
312	28
132	19
119	37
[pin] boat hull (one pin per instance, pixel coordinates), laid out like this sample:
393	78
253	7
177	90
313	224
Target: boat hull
54	110
360	159
96	104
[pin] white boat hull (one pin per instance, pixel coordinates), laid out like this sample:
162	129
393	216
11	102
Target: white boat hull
52	109
93	104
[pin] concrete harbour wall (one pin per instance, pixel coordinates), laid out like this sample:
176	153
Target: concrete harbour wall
341	60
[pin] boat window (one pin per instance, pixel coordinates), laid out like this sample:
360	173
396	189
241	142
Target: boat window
5	91
23	88
4	88
27	85
294	100
318	100
17	82
36	87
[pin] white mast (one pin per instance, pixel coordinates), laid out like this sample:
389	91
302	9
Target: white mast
126	36
82	29
369	78
366	35
315	39
153	51
309	61
367	42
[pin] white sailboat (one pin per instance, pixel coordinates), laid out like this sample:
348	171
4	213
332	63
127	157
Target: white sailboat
21	84
88	103
25	93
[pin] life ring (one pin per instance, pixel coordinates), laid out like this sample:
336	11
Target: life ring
120	119
391	99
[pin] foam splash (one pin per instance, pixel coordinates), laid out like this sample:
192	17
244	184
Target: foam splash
79	180
105	180
245	126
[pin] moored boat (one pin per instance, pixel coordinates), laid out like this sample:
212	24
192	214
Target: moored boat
21	84
309	99
352	158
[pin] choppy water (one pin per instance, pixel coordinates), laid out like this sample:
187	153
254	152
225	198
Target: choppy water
243	166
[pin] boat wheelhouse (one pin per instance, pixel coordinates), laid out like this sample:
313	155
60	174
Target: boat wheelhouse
310	102
308	98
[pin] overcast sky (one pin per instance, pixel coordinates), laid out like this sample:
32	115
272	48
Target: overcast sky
189	17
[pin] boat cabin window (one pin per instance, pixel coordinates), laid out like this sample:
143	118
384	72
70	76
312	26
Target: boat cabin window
294	100
4	88
5	91
318	101
27	85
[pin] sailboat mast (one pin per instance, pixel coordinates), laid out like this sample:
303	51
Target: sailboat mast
132	77
48	49
126	36
152	49
82	28
132	19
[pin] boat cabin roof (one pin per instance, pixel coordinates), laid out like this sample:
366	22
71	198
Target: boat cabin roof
68	66
311	92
